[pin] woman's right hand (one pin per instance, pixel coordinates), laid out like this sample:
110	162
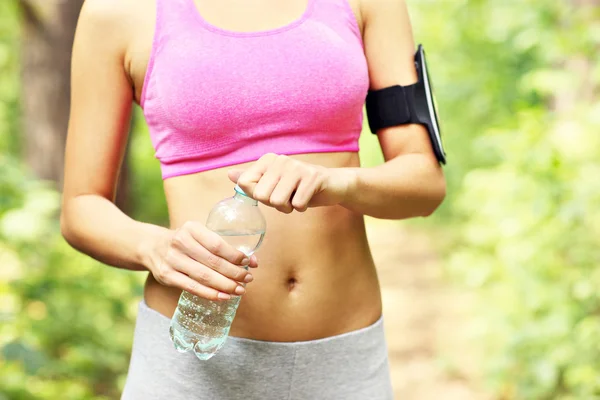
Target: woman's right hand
197	260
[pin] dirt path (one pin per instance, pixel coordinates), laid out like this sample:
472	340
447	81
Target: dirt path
430	354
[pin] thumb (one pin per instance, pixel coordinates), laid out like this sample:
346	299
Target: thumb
234	174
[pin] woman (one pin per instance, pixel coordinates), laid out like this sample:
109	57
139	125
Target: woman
268	95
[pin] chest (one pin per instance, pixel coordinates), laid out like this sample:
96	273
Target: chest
232	15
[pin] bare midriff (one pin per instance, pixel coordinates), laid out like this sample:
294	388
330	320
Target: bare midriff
316	277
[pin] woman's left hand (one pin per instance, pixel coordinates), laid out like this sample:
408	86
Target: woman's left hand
288	184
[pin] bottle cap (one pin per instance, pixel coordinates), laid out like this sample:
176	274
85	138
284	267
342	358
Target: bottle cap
239	190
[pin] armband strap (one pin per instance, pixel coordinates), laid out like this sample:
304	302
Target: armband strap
390	107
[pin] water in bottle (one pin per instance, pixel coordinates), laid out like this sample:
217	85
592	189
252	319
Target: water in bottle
202	325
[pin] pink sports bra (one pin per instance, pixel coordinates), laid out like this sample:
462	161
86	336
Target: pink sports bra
214	97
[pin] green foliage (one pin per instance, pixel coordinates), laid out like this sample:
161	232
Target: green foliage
70	319
531	248
515	84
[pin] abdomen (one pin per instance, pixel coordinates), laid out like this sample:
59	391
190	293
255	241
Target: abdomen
315	278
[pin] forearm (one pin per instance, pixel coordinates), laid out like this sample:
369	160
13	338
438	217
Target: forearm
404	187
95	226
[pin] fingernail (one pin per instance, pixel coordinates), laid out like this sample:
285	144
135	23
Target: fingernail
248	278
246	261
224	296
240	290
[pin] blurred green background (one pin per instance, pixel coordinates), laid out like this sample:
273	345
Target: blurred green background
518	86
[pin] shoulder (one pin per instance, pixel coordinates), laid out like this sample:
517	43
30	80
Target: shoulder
102	14
112	22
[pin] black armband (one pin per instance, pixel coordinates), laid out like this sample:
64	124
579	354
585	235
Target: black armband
413	104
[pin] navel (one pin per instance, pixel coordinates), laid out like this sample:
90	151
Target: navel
291	283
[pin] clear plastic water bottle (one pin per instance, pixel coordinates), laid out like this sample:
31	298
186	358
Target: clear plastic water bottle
202	325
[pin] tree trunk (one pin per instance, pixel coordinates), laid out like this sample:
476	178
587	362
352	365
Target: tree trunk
48	30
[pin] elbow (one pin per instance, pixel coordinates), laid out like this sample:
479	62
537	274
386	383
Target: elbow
436	196
66	228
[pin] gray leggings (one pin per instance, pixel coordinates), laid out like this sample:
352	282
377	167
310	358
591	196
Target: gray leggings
350	366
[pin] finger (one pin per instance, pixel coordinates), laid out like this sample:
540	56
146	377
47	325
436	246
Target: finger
267	183
220	265
191	248
305	192
205	275
253	262
234	174
281	198
249	178
186	283
215	244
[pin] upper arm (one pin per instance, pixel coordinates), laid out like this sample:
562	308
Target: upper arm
101	102
390	48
